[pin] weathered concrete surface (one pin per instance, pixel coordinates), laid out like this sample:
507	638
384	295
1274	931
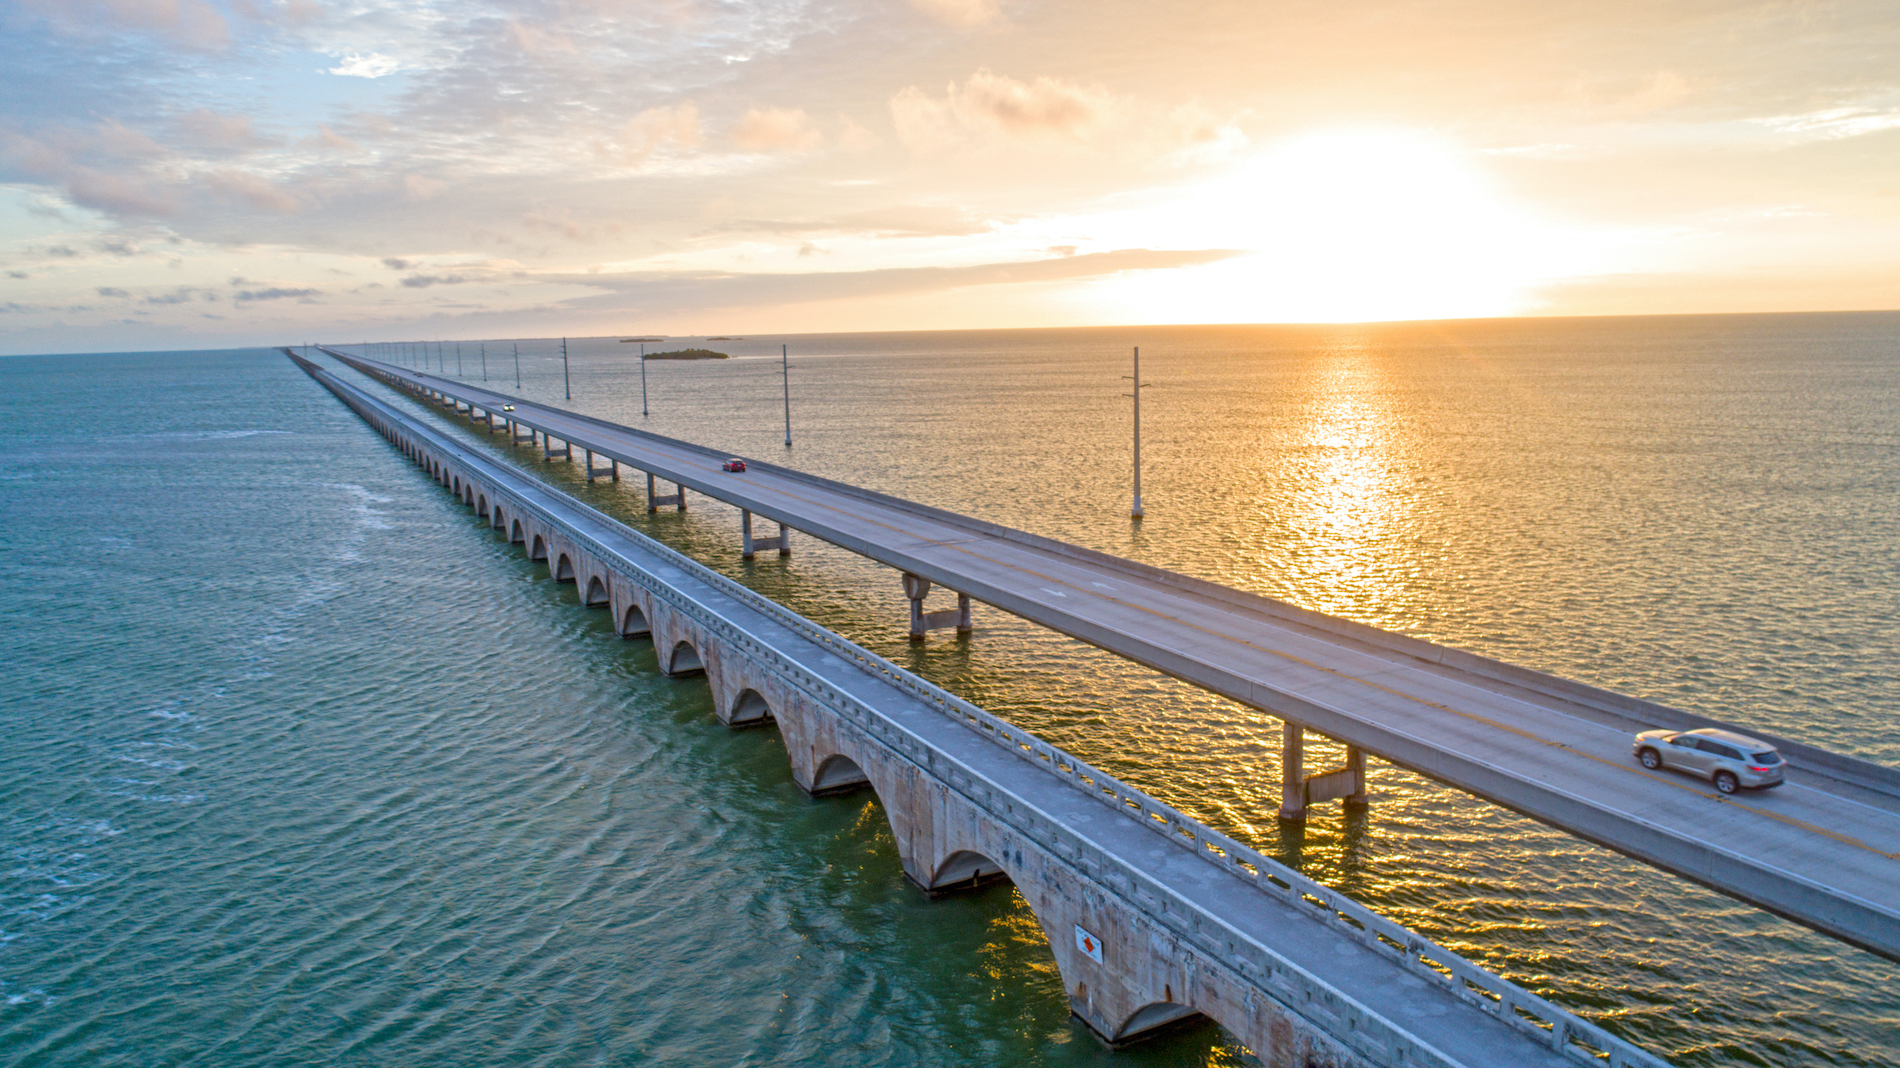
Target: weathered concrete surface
1152	917
1823	850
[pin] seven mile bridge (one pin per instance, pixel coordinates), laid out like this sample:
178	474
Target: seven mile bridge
1823	850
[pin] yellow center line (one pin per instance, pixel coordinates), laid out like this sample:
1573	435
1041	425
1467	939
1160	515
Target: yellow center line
1669	782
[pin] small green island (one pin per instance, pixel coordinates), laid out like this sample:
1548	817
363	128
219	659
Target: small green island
688	354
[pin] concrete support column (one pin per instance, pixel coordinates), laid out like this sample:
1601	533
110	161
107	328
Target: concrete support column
1292	770
566	452
655	502
1298	790
612	470
1356	763
748	545
916	587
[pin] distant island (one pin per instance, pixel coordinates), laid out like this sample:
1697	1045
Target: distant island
688	354
631	340
725	339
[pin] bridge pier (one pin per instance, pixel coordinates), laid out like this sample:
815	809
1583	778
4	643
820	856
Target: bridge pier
750	544
566	452
1299	790
916	587
655	502
612	470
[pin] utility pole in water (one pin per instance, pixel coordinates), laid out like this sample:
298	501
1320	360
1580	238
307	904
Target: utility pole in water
1135	511
565	386
458	359
785	375
643	378
484	361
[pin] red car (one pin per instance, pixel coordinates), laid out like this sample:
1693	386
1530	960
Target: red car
735	465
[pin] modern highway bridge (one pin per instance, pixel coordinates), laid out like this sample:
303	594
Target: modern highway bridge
1823	850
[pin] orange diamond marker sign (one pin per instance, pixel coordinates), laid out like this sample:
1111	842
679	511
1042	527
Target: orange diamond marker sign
1088	944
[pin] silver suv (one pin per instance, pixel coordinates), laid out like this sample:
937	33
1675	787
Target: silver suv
1730	760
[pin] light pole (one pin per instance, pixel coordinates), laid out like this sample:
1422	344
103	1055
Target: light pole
643	378
785	375
458	359
484	361
566	387
517	368
1134	512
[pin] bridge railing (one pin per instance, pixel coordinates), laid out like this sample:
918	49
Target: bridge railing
1565	1032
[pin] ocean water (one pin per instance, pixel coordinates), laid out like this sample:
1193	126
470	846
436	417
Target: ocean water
302	765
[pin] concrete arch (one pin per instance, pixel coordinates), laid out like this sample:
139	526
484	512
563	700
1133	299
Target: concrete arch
539	549
596	593
750	708
516	534
481	505
684	660
562	568
965	869
1155	1018
455	484
838	774
633	623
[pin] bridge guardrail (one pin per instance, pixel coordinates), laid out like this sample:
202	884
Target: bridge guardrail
1563	1031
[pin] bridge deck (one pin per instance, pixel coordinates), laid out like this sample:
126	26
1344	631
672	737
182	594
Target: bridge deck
1823	850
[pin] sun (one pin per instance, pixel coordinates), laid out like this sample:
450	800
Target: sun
1347	225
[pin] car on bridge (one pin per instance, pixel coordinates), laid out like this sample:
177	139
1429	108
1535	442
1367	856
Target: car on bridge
1731	761
735	465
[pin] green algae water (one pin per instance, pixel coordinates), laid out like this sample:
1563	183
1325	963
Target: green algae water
303	765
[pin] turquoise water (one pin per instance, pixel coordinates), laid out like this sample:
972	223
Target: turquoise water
303	765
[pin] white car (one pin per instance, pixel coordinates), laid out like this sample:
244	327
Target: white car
1731	761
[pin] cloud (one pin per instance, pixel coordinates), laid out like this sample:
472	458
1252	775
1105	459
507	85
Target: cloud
395	263
372	66
50	158
205	129
112	291
658	130
532	39
255	190
421	187
181	295
1835	123
963	13
701	290
776	130
991	105
335	142
188	22
424	281
249	295
903	220
116	195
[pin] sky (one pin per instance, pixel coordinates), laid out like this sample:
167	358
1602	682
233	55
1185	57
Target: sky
210	173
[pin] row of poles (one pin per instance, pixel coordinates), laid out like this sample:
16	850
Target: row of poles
406	352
